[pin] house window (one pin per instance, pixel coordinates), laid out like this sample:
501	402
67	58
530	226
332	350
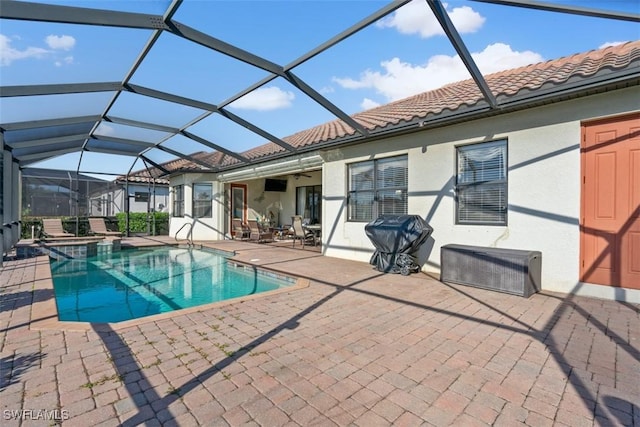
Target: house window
481	184
178	201
377	187
202	200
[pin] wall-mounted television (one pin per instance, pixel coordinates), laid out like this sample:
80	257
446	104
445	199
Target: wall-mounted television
271	184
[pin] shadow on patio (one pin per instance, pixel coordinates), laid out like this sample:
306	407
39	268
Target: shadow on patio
360	347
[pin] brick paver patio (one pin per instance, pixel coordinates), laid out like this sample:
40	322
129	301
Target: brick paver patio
356	347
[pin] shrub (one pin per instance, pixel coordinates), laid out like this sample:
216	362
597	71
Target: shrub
138	222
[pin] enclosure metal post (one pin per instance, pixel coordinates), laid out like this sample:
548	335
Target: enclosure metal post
153	228
126	205
2	196
148	208
7	199
16	225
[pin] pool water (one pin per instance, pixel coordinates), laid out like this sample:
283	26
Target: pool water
134	283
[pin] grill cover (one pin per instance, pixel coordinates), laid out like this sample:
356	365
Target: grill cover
396	239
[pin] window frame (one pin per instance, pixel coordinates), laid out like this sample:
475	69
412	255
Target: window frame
375	190
177	204
197	204
503	182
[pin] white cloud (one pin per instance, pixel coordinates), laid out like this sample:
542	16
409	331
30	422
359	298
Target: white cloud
66	60
400	79
105	129
8	54
265	99
368	104
60	42
416	18
609	44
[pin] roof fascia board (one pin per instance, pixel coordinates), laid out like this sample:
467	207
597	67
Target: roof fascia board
214	146
27	11
454	37
564	8
551	92
32	124
58	89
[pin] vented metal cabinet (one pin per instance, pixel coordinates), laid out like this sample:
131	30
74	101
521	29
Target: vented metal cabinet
505	270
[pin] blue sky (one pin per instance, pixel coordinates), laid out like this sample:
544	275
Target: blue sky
403	54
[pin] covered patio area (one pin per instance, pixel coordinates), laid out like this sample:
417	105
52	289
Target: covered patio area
356	347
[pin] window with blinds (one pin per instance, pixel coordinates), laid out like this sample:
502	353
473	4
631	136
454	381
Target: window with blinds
481	184
178	201
377	187
202	200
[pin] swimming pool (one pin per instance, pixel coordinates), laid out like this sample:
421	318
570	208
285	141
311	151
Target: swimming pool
136	283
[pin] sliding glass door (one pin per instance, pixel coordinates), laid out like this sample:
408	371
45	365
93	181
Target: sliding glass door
309	203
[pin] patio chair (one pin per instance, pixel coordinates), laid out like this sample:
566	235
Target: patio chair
241	231
258	233
299	233
52	227
99	228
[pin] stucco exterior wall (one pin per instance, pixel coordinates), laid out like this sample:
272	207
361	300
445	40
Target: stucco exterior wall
212	228
543	186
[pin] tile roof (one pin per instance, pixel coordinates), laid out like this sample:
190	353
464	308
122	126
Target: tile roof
456	96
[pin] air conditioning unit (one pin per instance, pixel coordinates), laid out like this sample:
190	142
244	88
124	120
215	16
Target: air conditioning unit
512	271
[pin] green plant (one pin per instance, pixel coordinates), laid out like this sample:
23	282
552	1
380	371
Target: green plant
138	222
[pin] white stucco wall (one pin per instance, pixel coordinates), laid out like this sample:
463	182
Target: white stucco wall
203	228
543	187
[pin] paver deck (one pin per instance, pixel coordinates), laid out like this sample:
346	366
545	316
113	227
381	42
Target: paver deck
356	347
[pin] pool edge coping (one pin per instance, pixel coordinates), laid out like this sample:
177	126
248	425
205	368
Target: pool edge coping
44	312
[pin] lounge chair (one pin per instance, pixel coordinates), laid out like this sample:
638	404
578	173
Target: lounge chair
258	233
99	228
52	227
241	231
299	233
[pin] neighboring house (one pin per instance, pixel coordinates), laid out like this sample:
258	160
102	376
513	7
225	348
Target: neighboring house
556	169
146	194
50	192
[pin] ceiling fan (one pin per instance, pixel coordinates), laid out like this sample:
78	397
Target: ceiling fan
299	174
